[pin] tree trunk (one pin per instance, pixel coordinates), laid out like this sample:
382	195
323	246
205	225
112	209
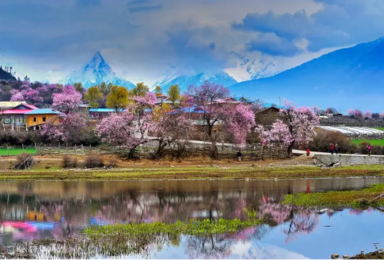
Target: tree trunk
160	148
131	154
290	148
214	152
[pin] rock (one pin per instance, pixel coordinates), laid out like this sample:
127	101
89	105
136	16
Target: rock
271	164
345	256
338	164
334	256
172	166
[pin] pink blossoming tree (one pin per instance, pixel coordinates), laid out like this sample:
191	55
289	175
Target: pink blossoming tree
301	122
356	113
236	118
72	129
128	128
169	126
67	101
17	96
240	121
278	134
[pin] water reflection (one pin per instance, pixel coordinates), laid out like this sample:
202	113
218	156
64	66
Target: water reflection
58	210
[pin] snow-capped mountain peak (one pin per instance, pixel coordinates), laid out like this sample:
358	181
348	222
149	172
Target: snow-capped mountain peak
173	77
95	72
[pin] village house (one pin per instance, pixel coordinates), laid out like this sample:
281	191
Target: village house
100	113
42	116
15	117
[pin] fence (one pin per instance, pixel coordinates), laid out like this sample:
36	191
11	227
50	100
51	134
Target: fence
190	149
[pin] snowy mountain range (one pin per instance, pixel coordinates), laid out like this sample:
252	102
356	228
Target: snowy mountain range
173	77
96	72
346	78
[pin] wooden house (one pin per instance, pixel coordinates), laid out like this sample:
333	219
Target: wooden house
100	113
15	116
42	116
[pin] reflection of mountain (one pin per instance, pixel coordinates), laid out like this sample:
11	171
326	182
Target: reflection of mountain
96	72
256	250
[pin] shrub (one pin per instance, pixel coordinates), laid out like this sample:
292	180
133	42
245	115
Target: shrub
93	161
23	161
69	162
322	140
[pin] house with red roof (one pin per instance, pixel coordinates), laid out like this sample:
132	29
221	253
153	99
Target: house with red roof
16	116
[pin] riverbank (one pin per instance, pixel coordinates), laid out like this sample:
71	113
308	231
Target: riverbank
356	198
214	171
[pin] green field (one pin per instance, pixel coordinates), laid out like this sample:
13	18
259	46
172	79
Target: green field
4	151
377	142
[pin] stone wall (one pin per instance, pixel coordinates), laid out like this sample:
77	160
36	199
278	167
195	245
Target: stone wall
252	152
346	159
350	121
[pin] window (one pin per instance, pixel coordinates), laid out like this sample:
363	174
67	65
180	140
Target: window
34	119
44	119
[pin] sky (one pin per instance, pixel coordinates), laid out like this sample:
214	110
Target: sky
141	39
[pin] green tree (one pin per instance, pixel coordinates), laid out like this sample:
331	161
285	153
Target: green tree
158	91
140	90
79	88
105	89
117	98
174	94
94	96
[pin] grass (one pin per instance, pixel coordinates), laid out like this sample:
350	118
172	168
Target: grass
380	128
130	239
174	173
16	151
355	198
375	142
194	228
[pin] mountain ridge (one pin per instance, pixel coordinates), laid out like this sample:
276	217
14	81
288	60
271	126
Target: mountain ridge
334	79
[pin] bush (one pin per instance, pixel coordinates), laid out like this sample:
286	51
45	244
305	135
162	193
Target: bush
93	161
323	139
23	161
69	162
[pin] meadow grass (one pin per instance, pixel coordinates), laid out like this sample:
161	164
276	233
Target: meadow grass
16	151
175	173
376	142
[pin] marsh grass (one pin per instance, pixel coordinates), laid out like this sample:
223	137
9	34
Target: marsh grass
354	198
127	239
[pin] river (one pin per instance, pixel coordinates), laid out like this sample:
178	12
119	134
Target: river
57	210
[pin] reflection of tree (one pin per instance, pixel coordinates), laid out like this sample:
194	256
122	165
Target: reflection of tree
301	221
212	246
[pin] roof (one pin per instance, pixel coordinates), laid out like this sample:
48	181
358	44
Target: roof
43	111
25	105
267	108
268	105
194	109
10	104
15	111
102	110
